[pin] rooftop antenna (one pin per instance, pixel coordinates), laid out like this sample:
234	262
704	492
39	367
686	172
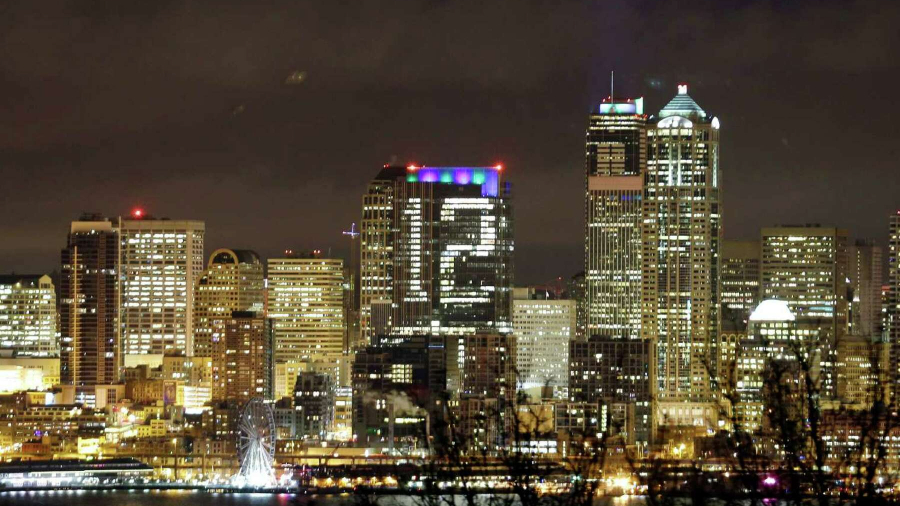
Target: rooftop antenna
612	86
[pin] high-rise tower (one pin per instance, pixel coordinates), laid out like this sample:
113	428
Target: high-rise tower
893	296
233	281
161	261
615	162
377	247
306	305
437	243
866	274
806	267
739	282
681	235
90	346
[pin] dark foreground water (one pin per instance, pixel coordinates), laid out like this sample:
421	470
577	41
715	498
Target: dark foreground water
189	498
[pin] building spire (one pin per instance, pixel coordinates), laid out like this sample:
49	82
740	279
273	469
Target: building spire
612	86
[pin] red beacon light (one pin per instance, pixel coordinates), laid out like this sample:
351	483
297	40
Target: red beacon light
137	213
498	166
411	167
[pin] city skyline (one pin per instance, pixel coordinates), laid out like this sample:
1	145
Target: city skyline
483	254
198	123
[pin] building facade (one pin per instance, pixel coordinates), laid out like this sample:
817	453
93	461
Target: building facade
543	329
90	344
614	373
739	280
28	315
615	162
892	298
233	281
247	357
306	305
376	281
682	236
866	274
161	262
806	267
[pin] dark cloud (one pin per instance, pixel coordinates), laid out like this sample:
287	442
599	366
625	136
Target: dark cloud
107	104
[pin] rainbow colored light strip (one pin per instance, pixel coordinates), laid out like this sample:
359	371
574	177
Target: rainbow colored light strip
487	177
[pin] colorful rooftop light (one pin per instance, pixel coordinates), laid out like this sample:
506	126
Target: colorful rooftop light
486	177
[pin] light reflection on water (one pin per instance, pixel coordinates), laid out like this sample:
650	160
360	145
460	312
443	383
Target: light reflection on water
195	498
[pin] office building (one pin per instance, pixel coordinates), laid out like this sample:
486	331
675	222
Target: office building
306	305
866	274
615	162
806	267
861	372
377	247
452	251
28	315
161	262
739	281
437	243
543	329
90	345
682	236
233	281
892	296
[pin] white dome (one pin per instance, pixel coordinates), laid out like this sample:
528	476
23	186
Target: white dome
675	122
772	310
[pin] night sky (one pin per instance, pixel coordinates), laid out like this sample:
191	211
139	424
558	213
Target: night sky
181	107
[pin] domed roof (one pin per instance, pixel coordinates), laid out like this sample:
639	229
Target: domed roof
771	310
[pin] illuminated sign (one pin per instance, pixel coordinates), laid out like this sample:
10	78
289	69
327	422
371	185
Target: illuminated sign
486	177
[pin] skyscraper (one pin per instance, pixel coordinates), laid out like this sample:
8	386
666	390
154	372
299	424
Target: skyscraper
866	274
615	162
739	281
90	346
543	329
806	267
452	251
681	235
306	305
161	261
893	296
233	281
377	246
28	315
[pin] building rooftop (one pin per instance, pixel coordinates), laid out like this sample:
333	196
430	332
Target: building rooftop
682	105
243	256
772	310
28	279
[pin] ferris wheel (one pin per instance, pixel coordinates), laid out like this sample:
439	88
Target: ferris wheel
256	443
